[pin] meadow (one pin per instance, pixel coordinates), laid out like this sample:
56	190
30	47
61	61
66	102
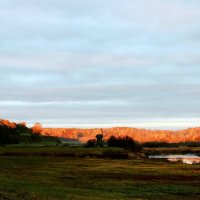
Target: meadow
48	176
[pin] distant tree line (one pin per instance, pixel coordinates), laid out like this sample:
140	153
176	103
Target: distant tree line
140	135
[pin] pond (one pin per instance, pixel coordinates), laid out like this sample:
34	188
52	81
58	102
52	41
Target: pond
187	158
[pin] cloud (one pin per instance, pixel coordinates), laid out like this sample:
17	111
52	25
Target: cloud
100	62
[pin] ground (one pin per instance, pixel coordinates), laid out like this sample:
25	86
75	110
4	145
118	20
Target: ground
51	177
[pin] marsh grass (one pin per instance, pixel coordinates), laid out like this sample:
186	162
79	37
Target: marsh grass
50	177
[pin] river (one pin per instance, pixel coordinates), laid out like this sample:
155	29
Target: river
187	158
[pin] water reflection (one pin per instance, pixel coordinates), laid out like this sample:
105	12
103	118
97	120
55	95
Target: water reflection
187	159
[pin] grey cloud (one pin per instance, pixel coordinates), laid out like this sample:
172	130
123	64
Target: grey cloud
99	61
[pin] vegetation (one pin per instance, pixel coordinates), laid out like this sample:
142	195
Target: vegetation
19	133
10	132
63	151
140	135
56	178
124	142
172	150
91	143
166	144
31	169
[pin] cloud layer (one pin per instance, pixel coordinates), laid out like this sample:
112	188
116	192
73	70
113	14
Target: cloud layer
100	63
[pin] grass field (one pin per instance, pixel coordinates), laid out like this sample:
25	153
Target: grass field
49	177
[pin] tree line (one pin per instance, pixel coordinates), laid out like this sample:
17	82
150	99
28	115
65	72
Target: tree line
14	133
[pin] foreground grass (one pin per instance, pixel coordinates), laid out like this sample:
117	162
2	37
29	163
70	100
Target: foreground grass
52	178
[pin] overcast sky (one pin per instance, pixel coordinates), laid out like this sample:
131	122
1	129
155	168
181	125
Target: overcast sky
93	63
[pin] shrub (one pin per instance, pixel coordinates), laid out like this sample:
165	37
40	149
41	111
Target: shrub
91	143
124	142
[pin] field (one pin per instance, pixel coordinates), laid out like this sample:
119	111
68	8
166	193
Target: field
48	176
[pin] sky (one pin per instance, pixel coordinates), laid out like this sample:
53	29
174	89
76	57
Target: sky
100	63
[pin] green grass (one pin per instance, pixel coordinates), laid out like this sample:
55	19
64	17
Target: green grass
52	178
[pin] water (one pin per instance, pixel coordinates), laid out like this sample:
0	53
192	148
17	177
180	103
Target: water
187	158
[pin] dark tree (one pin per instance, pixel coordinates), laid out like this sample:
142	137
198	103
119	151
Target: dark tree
37	128
125	142
91	143
8	133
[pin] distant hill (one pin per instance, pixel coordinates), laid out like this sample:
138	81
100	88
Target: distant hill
11	132
141	135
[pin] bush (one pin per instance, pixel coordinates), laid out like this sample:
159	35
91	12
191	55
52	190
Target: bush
124	142
91	143
9	135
